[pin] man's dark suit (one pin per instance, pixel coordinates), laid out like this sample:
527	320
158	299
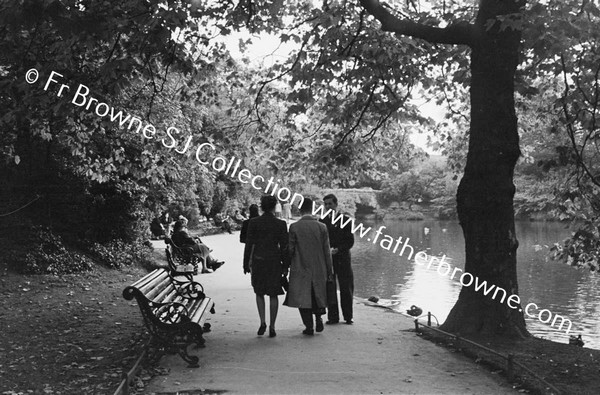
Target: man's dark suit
343	240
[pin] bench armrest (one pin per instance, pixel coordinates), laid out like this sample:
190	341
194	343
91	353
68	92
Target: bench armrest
190	289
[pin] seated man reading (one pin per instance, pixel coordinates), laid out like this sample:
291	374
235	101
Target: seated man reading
182	239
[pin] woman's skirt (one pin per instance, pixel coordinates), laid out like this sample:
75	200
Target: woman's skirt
266	276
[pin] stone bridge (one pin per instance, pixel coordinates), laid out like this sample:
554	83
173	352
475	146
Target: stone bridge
354	201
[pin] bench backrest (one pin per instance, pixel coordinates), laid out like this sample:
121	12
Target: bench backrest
182	255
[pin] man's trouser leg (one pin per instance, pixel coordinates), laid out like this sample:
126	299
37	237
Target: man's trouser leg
346	293
307	318
333	312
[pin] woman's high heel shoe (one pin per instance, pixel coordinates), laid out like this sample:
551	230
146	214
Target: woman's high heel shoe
272	332
262	329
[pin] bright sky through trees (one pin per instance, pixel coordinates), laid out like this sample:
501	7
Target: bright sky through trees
266	50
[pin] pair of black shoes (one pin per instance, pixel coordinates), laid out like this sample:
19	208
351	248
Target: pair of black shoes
319	328
263	328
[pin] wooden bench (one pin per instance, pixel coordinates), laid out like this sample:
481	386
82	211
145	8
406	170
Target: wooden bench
173	310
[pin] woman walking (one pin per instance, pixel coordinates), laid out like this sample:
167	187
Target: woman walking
311	268
265	257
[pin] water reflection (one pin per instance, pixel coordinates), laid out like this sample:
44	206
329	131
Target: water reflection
564	290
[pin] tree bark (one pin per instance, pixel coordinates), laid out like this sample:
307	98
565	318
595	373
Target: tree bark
486	191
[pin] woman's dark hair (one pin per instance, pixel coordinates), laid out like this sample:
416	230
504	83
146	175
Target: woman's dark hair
178	225
253	209
268	203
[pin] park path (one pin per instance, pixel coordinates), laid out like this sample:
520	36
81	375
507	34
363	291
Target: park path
376	355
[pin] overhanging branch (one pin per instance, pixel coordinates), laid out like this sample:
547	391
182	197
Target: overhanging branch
360	117
462	33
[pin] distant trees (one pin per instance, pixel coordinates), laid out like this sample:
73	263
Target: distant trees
421	184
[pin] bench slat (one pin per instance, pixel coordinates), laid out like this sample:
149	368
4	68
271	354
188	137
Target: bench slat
147	278
157	281
153	290
165	295
190	304
201	313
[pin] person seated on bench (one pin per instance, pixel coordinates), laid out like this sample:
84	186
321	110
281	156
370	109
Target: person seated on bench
182	239
222	223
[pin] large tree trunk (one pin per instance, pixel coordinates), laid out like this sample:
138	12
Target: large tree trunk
486	191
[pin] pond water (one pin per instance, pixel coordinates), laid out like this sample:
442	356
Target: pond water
564	290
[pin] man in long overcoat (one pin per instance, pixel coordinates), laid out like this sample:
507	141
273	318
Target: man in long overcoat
310	269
